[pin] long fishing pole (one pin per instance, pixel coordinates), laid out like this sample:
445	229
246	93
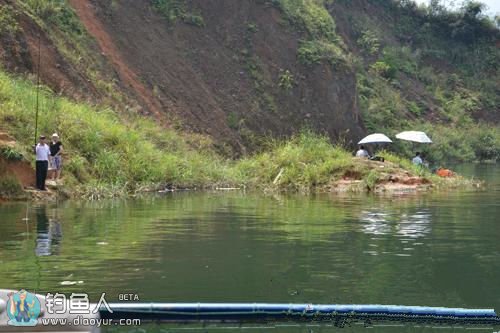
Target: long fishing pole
38	83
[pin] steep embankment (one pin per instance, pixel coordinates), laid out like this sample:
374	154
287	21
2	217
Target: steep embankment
235	76
223	78
21	39
107	46
238	70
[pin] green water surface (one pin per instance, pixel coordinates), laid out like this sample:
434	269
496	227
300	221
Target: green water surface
439	249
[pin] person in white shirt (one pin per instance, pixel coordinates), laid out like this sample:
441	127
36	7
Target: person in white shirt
42	151
362	152
417	160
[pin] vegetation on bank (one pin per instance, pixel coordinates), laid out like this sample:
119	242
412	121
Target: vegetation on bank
59	22
109	154
104	147
112	152
421	67
321	42
441	76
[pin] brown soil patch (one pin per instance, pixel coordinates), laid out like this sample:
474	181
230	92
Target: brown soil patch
85	12
405	179
19	54
207	77
21	170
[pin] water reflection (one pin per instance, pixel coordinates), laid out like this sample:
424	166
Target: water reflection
49	233
377	222
416	225
436	250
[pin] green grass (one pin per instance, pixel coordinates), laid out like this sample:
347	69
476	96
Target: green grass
305	161
104	148
110	154
321	42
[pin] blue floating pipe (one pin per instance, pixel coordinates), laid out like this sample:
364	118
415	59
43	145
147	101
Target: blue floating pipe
268	312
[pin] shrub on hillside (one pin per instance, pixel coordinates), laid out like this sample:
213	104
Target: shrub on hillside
8	22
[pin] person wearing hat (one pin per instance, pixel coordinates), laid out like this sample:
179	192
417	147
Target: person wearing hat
42	151
56	149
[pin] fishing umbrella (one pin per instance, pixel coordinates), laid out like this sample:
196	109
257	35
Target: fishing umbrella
375	138
414	136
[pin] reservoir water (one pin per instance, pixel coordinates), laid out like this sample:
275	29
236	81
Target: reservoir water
436	249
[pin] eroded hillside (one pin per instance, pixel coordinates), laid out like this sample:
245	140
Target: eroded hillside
242	70
235	77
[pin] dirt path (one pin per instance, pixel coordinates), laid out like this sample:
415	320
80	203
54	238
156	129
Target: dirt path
85	12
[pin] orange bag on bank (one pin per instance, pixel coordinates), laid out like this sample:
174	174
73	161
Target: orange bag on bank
444	172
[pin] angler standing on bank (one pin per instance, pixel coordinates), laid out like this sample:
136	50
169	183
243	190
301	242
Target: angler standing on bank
42	151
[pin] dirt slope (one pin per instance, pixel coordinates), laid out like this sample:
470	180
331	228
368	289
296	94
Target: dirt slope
128	77
201	75
19	54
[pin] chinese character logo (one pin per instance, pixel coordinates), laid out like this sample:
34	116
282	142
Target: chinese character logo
23	309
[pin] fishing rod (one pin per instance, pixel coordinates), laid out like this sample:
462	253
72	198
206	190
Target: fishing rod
38	83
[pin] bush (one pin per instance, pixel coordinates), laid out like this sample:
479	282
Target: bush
486	143
309	16
383	69
11	154
471	142
173	10
57	12
314	52
8	22
369	42
313	19
402	59
286	80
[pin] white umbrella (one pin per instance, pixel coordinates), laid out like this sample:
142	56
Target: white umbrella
414	136
375	138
